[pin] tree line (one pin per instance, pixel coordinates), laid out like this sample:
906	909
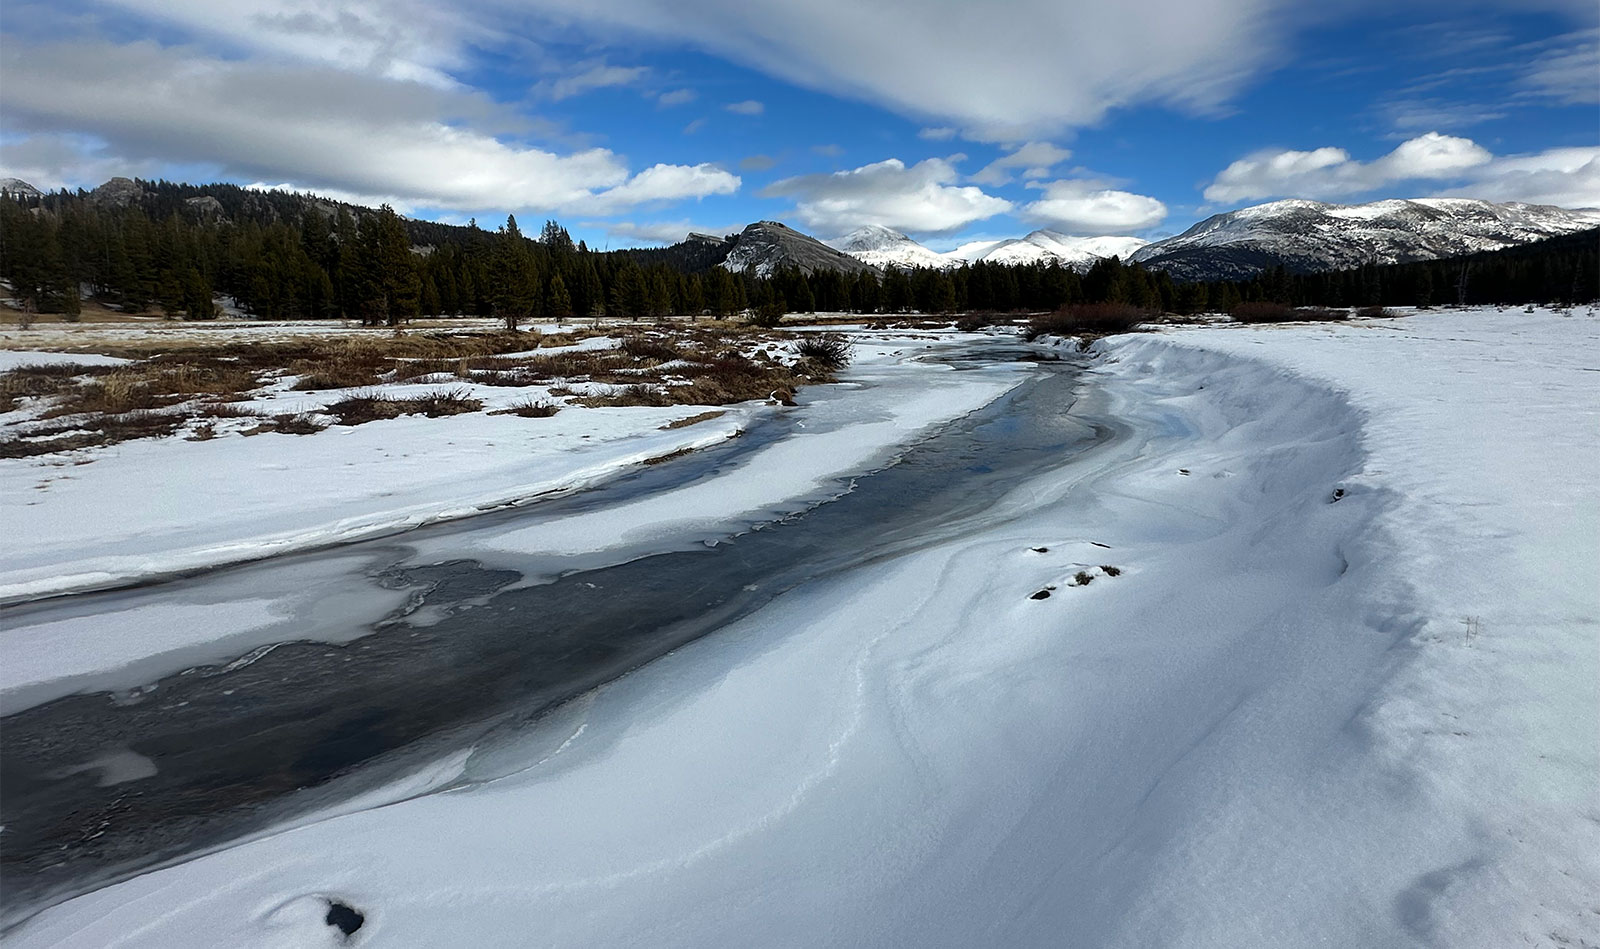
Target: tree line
279	255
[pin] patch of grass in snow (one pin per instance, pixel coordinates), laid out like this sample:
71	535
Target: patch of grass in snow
373	407
530	408
692	420
34	381
89	432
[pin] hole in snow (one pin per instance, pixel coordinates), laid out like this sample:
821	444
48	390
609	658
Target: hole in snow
344	917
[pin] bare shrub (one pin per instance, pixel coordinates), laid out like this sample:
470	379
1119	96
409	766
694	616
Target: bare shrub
362	408
1375	313
651	348
292	424
1262	312
831	351
530	408
1089	319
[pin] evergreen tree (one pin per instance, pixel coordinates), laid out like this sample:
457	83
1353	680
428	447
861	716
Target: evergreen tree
558	303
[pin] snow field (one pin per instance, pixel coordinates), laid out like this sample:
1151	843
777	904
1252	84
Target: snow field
1269	729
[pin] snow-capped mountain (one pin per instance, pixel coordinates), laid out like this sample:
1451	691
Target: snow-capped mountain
1310	235
16	187
1043	246
885	247
765	247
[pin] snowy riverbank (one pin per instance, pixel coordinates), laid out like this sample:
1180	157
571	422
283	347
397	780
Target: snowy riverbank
113	516
155	507
1340	691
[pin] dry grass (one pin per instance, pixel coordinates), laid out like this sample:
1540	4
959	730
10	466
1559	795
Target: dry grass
363	408
89	433
530	408
1089	321
195	379
692	420
35	381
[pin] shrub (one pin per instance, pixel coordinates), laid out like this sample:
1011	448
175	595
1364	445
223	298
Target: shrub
644	347
296	424
831	351
1262	312
1089	319
360	409
531	408
1375	313
1321	314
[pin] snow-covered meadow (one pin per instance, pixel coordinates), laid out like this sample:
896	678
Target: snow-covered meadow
1332	679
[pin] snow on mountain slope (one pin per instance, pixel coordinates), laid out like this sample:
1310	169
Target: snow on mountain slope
1043	246
885	247
1311	235
18	188
972	250
882	246
1076	252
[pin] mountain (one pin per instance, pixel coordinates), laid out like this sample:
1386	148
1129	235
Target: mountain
765	247
16	187
1308	236
884	247
1043	246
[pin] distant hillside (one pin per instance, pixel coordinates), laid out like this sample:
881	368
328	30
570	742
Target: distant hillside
1310	236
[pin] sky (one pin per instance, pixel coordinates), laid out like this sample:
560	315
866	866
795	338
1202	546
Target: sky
634	122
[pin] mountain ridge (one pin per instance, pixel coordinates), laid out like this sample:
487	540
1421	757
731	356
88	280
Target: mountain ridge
1306	236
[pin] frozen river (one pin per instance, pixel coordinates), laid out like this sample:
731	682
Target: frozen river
471	639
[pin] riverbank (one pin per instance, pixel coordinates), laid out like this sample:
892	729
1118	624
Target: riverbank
1329	680
151	508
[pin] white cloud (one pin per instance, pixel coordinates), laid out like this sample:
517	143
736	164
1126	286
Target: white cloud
596	76
333	131
1035	159
1566	177
920	199
1002	71
941	134
1569	177
1331	172
1086	207
1569	72
658	232
660	184
747	107
677	97
408	40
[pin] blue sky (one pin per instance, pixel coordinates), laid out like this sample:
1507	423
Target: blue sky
634	121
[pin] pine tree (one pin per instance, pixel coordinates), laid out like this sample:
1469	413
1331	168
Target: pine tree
514	282
558	303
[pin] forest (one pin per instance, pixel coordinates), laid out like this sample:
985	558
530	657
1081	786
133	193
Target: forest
175	248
